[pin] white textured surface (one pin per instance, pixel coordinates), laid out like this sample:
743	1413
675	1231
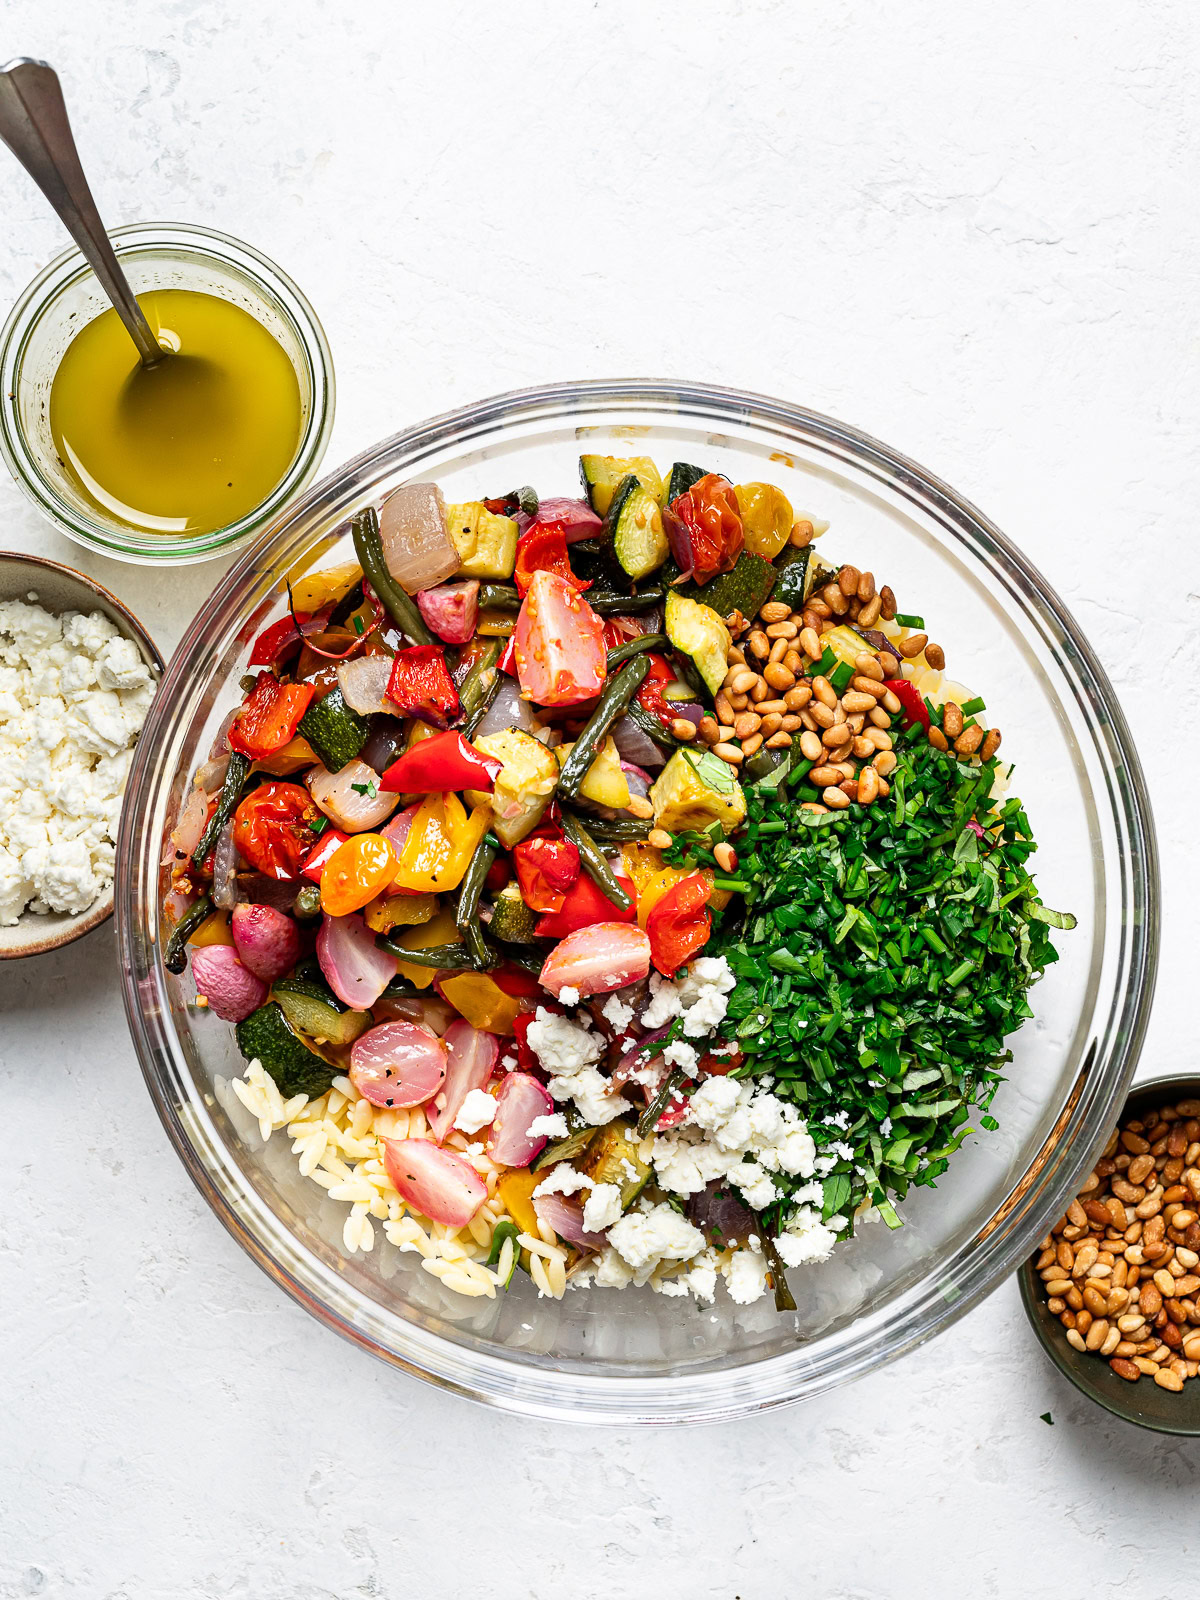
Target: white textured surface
971	230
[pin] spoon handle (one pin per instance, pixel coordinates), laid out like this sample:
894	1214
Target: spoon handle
35	127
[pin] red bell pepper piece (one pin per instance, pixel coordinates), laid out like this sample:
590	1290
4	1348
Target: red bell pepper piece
422	687
526	1059
679	924
583	905
508	656
547	866
314	864
912	703
704	527
519	984
650	695
270	716
499	876
543	548
445	762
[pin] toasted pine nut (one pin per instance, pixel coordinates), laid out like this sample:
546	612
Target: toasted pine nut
798	697
778	676
728	752
750	745
782	630
878	737
835	799
742	681
938	739
639	806
847	580
792	659
884	763
867	666
836	736
802	533
821	714
811	747
969	740
773	611
746	724
889	663
952	720
856	700
778	650
790	722
708	730
991	744
739	702
835	599
683	729
759	692
868	786
888	602
810	643
866	586
723	708
779	741
870	686
936	657
659	838
913	645
868	616
822	777
770	724
758	644
880	717
863	748
824	691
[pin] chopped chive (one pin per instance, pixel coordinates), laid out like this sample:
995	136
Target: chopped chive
359	625
907	621
734	885
953	979
827	662
319	826
840	677
971	707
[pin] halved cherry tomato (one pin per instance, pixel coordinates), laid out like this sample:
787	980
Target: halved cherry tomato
560	652
912	703
583	905
547	867
421	685
270	715
356	872
679	925
272	828
543	548
704	528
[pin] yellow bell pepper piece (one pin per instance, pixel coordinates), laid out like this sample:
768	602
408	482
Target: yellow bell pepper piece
481	1001
766	518
213	930
495	624
441	929
440	844
317	589
642	862
603	782
293	757
389	911
662	883
515	1189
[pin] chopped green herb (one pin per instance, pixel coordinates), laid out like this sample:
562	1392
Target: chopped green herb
906	620
318	827
359	624
972	708
503	1230
1047	1418
368	789
839	678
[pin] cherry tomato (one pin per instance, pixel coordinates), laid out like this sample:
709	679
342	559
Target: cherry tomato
651	696
704	528
270	716
912	704
356	872
679	925
422	687
272	828
543	548
547	866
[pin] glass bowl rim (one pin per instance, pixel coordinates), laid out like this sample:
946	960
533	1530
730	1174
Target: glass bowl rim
275	286
942	1294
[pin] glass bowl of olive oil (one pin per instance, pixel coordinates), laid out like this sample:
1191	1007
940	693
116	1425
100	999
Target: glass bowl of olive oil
190	458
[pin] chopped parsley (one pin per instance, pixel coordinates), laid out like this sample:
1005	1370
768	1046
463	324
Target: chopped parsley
882	956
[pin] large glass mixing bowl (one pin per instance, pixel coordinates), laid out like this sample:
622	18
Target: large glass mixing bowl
599	1355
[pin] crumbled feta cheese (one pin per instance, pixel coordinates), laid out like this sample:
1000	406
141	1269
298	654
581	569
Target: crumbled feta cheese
805	1238
664	1002
476	1111
644	1239
680	1054
565	1179
568	1051
617	1012
737	1133
746	1277
700	997
73	697
568	996
602	1207
550	1125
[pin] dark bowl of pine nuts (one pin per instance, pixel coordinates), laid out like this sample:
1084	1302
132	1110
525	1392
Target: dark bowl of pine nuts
1113	1291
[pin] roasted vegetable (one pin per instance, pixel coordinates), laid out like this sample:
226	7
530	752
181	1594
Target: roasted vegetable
634	523
699	632
613	703
368	546
334	731
603	783
602	474
612	1157
528	776
486	543
694	790
267	1036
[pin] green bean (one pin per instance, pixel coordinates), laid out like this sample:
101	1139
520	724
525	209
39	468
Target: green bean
231	790
499	597
368	546
783	1295
175	954
594	862
478	689
607	604
466	913
648	1120
307	903
450	957
645	641
613	703
649	724
619	830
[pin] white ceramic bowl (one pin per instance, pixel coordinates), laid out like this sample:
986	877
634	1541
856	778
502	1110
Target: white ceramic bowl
60	589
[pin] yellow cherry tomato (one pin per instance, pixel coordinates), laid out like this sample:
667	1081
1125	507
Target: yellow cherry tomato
213	930
356	872
766	518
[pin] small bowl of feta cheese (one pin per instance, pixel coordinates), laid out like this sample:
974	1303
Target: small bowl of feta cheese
77	674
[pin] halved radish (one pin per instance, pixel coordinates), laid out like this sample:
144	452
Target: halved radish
437	1183
471	1060
450	610
398	1064
230	988
357	970
559	644
595	960
520	1100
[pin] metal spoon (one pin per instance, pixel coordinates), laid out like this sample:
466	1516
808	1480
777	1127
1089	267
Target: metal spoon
35	127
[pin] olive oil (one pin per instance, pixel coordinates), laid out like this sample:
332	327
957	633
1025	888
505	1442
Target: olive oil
191	444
